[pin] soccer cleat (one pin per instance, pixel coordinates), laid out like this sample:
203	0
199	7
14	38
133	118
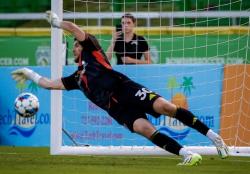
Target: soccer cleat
221	147
191	160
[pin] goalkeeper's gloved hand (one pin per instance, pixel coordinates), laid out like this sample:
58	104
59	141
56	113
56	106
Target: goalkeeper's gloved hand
53	19
23	74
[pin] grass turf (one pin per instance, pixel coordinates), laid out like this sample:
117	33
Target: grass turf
30	160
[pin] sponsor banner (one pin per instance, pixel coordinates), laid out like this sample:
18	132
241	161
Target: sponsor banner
24	51
195	87
170	49
189	49
16	130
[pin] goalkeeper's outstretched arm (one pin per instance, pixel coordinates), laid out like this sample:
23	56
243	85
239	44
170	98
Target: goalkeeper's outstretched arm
23	74
54	20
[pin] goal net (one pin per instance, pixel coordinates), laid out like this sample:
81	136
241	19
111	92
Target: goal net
200	54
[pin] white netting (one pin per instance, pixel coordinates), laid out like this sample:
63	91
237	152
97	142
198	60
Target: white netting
202	64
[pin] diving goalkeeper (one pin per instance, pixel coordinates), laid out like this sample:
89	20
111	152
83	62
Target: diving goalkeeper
123	99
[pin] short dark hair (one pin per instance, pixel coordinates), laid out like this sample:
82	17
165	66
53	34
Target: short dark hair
130	16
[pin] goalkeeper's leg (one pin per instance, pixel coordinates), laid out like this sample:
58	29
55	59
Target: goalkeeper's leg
188	118
144	127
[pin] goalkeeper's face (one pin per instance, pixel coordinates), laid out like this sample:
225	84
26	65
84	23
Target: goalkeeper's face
77	51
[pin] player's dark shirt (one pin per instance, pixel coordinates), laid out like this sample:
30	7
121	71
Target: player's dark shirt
134	48
97	80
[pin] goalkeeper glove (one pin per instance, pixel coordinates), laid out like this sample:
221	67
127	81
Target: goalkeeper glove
53	19
23	74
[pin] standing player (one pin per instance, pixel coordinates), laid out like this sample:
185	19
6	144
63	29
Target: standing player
128	46
123	99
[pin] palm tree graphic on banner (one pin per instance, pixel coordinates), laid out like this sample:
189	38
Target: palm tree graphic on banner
187	85
180	98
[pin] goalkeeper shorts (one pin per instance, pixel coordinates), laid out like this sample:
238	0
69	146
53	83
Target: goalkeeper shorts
131	102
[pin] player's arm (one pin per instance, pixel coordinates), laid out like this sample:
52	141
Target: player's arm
53	19
147	57
51	84
110	50
23	74
111	47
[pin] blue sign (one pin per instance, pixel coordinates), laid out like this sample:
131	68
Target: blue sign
194	87
17	130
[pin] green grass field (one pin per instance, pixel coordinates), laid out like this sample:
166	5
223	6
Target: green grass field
29	160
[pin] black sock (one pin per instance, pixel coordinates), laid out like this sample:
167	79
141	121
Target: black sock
166	142
190	120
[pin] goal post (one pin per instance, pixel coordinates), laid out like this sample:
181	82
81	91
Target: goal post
56	72
80	127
